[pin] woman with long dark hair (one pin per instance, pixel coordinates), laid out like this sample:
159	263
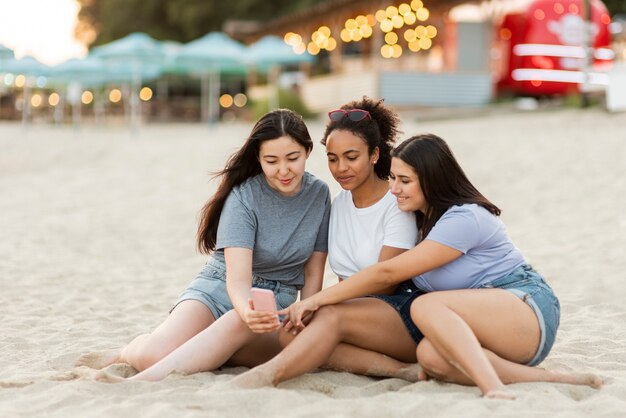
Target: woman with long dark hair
266	226
485	315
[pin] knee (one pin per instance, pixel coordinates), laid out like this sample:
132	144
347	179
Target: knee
329	314
430	360
149	354
285	338
423	309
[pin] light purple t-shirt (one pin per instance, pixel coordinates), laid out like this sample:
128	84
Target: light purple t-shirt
488	253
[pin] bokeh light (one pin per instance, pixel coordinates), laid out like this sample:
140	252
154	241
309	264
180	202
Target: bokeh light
20	80
86	97
416	5
431	31
54	99
36	100
391	38
240	99
145	94
115	95
422	14
226	100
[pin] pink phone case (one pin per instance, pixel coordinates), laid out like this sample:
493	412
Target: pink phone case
263	300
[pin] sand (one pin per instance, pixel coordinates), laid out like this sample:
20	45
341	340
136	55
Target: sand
98	230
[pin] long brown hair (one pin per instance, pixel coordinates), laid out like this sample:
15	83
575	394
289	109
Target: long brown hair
441	178
244	164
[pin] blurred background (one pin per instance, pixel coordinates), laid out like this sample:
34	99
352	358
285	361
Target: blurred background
137	61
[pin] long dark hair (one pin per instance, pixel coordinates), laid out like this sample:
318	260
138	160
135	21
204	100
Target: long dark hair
441	178
379	131
245	164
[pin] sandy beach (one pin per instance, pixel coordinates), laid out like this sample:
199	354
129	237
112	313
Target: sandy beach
98	229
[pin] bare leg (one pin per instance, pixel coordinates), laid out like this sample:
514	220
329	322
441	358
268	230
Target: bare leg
185	321
509	372
353	359
263	348
207	350
460	323
367	323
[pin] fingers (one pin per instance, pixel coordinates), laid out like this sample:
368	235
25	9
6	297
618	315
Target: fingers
287	324
265	327
259	321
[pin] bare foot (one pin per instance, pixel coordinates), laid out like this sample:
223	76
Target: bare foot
254	378
106	377
501	393
586	379
99	359
413	373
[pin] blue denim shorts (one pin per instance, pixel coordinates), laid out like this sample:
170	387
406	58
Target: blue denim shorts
401	301
525	283
209	287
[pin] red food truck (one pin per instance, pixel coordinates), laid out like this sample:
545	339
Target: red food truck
543	48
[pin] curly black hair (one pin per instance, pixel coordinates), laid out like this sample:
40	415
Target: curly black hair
379	131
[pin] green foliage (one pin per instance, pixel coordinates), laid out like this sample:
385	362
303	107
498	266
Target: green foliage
615	6
287	99
102	21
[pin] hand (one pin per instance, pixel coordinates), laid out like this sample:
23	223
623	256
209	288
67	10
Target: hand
290	327
259	321
300	313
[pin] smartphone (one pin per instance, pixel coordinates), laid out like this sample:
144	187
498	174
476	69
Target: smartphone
263	300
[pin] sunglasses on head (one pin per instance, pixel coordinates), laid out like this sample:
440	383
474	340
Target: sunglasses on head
355	115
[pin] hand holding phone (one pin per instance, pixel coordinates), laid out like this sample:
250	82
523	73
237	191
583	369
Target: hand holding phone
264	301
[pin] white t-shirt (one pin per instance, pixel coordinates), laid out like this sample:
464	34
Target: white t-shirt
356	235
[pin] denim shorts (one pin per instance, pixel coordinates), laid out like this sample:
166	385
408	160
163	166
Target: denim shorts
401	301
529	286
209	287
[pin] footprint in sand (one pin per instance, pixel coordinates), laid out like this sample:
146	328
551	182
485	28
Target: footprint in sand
15	385
99	359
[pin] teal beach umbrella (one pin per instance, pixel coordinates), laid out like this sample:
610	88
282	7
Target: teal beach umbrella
272	50
31	68
209	57
268	55
6	54
132	59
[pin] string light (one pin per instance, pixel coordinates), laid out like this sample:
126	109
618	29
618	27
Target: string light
145	94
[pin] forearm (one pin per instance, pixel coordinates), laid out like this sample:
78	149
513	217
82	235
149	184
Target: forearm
426	256
239	292
238	276
370	280
313	275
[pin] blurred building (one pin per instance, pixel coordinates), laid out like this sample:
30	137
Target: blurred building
424	52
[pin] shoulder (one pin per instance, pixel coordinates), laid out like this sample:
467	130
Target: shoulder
249	184
471	213
315	189
248	191
470	210
389	204
313	183
342	198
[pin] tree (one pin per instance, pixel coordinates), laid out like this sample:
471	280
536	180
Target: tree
102	21
616	6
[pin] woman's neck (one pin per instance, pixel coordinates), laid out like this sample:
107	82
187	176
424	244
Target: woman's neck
369	192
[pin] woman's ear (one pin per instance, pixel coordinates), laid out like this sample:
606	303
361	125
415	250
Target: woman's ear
375	155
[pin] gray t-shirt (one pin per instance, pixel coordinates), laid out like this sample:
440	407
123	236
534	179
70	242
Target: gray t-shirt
282	231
